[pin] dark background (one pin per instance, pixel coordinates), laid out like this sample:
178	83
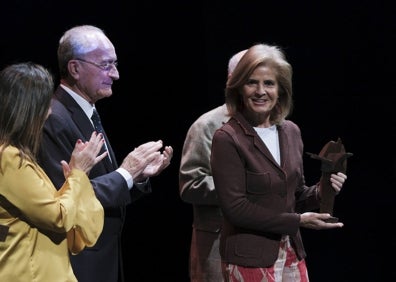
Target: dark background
172	61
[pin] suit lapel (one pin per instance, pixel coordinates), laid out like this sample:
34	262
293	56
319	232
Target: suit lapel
84	124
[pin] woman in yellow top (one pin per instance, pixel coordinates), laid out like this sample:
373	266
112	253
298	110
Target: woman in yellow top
40	225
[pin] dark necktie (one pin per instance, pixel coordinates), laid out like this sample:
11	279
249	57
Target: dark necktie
99	128
96	122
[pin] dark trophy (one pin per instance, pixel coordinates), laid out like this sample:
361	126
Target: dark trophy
334	159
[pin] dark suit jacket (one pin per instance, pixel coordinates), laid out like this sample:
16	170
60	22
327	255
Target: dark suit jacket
258	197
67	123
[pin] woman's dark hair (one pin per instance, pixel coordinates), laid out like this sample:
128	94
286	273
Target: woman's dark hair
25	96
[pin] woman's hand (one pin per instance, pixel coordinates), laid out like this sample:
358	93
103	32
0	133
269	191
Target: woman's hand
337	181
317	221
85	154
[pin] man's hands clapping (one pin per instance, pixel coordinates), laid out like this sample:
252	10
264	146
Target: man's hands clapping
147	160
159	164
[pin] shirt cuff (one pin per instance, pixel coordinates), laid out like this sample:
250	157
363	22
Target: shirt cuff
127	176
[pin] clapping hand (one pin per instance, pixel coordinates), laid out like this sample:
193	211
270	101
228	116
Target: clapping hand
147	160
157	165
85	154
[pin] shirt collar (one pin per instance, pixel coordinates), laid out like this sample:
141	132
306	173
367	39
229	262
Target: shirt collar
84	104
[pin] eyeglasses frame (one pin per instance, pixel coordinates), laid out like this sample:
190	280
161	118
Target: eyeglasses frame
104	67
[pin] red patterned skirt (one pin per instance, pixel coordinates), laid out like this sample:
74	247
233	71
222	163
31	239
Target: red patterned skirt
287	268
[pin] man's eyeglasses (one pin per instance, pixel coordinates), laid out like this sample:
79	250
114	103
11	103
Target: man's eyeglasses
104	66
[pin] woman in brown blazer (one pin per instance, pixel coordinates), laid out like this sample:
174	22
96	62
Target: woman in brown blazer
257	166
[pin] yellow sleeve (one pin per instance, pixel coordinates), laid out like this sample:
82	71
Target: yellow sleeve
89	220
31	195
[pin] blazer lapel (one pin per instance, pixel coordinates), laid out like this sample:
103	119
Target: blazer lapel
284	146
256	140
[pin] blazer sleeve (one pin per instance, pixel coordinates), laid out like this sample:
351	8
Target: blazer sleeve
195	175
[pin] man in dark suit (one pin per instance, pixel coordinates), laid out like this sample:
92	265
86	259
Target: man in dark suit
88	67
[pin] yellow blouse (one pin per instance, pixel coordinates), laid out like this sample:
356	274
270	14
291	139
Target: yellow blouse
38	217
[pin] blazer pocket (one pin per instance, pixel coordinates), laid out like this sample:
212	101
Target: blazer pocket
258	183
243	246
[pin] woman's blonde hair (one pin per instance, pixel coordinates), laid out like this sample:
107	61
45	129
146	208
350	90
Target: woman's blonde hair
261	55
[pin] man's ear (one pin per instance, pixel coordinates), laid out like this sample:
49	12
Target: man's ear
73	67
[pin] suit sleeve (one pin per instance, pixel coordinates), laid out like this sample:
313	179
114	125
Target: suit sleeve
59	137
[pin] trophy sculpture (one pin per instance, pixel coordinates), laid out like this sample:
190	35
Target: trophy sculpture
333	159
